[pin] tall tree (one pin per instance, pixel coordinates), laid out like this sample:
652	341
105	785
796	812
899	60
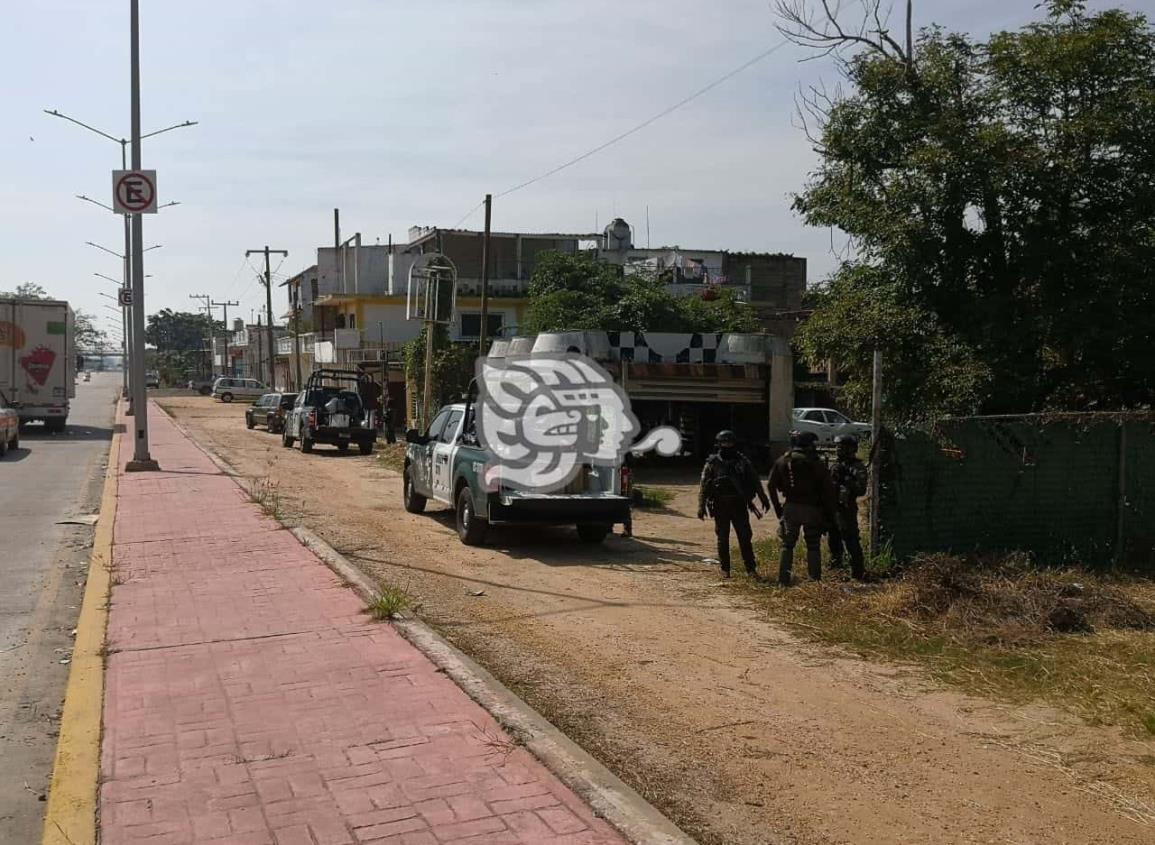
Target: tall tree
1000	202
26	290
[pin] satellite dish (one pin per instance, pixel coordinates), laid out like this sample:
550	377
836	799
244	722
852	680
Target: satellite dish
432	292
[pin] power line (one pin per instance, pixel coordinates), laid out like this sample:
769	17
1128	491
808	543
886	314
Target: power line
639	127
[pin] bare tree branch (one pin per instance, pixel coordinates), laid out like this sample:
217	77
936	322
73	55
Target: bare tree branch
804	25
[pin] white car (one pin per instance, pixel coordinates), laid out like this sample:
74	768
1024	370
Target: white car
227	389
828	423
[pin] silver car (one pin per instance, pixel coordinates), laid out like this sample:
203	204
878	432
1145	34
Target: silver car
828	423
227	389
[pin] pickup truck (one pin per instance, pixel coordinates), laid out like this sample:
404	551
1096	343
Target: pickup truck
334	408
447	463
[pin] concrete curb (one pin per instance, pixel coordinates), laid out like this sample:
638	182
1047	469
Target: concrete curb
608	796
70	817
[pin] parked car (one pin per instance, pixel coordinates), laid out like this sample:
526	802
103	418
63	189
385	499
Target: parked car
227	389
446	462
332	409
152	379
828	423
9	427
270	411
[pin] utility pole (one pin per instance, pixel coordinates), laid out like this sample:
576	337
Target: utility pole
875	451
260	351
295	293
141	459
485	279
205	300
225	306
269	304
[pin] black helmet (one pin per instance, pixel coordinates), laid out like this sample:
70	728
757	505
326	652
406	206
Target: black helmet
846	443
803	439
726	437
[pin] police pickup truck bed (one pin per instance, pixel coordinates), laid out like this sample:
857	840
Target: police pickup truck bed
447	464
332	409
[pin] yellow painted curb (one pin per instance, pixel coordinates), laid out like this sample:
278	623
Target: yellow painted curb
71	815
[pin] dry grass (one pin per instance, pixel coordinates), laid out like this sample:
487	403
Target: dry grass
267	494
391	455
1000	627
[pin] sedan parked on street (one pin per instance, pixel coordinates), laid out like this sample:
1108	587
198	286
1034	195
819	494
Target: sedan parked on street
828	423
227	389
270	411
9	427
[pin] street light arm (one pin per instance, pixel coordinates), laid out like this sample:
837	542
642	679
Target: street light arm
62	116
105	249
95	202
119	283
170	128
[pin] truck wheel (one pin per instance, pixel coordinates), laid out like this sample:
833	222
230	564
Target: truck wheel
590	533
249	422
471	528
286	441
414	501
15	444
306	444
343	446
204	390
226	397
55	424
3	448
365	447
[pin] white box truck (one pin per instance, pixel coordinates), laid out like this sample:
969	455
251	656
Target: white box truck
38	359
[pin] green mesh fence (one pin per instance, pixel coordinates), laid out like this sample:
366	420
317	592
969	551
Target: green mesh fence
1066	487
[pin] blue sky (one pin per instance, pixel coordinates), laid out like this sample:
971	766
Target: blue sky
401	113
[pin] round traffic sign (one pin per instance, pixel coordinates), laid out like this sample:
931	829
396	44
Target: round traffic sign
135	191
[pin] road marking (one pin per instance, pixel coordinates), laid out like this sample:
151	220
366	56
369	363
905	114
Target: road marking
71	815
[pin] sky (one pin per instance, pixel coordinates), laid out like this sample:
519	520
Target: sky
401	114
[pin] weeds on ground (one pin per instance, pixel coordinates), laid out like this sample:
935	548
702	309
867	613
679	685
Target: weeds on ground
651	497
390	603
999	626
267	493
391	455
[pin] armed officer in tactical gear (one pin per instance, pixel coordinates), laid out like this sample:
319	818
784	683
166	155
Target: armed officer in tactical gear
849	476
727	491
802	478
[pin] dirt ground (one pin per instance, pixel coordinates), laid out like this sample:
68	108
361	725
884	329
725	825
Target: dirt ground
737	729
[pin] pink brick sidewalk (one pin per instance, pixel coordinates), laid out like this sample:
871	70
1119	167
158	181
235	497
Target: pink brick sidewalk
249	700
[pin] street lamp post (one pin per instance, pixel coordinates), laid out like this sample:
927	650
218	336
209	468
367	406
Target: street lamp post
132	234
126	322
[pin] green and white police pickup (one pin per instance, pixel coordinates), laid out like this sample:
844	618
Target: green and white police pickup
446	463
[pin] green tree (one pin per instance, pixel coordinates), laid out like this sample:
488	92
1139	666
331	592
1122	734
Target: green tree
87	335
451	371
576	292
1000	198
180	338
25	290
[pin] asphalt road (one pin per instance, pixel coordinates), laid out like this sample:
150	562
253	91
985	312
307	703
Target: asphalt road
49	479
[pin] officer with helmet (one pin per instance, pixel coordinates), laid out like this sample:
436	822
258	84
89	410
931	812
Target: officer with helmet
801	477
727	490
849	476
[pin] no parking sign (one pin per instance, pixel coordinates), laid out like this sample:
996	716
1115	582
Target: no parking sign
134	191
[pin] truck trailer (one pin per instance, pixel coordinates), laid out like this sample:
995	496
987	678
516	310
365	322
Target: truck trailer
38	359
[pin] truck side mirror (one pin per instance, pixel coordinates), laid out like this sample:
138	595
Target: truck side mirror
412	435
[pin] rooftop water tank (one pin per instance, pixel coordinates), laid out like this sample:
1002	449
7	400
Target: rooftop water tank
619	237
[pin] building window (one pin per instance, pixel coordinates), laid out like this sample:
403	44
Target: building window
352	321
471	325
